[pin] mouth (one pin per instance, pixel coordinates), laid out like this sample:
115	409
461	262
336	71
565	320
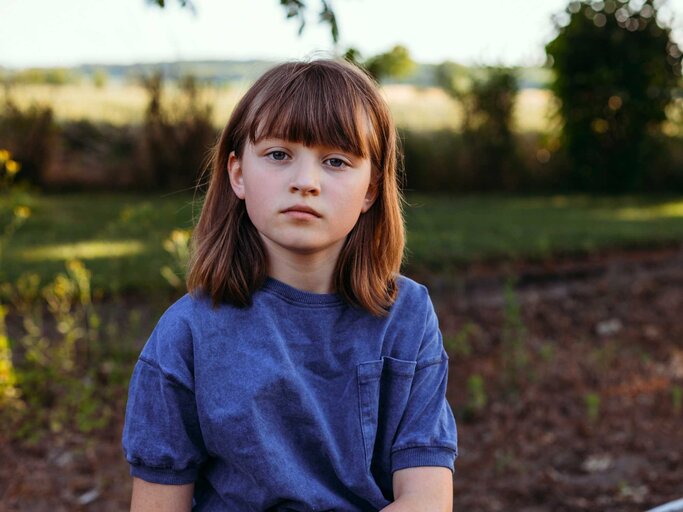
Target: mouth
302	209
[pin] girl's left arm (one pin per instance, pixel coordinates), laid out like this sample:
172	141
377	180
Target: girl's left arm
422	489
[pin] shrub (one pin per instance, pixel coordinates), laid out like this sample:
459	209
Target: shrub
30	135
176	139
615	70
488	101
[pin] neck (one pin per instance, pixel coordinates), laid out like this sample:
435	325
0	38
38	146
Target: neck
308	272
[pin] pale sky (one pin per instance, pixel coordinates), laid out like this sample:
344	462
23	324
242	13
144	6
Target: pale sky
70	32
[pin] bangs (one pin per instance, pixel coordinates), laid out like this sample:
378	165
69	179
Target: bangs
314	106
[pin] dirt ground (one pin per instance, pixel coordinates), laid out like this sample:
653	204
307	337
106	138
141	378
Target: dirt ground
589	419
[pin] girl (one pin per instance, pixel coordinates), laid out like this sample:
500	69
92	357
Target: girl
301	372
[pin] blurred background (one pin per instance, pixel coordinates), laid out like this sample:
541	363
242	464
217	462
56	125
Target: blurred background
543	146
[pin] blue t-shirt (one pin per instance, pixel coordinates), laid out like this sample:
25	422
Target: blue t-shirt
299	402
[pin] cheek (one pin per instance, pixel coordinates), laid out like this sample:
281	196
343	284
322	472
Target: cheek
352	203
257	200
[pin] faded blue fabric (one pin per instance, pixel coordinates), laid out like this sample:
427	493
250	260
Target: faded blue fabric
300	402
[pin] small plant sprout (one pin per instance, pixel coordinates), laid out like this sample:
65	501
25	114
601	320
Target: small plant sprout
592	403
514	346
460	344
677	399
476	393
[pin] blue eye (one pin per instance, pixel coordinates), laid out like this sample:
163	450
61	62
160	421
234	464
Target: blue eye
278	155
336	162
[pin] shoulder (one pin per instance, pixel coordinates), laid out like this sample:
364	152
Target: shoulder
170	344
178	318
412	295
414	316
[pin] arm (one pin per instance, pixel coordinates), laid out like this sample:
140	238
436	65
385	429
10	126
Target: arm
422	489
149	497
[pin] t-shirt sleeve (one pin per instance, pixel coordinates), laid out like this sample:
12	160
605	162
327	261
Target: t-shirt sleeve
427	434
162	439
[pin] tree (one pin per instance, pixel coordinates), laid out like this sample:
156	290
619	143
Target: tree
615	70
293	9
394	63
487	97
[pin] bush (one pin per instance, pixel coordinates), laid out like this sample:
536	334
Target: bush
176	146
95	155
30	136
488	102
615	70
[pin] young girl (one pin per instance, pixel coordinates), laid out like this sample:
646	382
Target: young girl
302	372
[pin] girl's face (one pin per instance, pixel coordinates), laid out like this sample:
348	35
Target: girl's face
302	200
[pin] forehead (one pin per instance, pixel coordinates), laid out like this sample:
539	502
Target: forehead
314	110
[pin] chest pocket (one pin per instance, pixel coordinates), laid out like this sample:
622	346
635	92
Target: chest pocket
384	388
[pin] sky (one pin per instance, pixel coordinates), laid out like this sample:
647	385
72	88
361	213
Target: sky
72	32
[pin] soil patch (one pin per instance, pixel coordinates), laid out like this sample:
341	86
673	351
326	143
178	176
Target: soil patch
564	393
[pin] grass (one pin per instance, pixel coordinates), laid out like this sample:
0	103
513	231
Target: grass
120	236
444	232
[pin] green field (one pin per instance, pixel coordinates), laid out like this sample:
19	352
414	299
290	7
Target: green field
120	237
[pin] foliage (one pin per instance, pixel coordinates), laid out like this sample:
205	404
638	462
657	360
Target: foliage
476	395
64	379
488	102
177	138
12	212
677	399
93	155
30	135
10	221
592	404
99	78
47	76
9	394
178	246
460	345
293	9
515	352
393	63
615	70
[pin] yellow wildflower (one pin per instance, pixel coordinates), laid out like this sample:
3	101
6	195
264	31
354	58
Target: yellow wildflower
4	155
180	236
12	167
75	266
22	212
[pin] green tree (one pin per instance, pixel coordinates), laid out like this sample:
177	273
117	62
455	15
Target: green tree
293	9
394	63
487	97
615	71
100	78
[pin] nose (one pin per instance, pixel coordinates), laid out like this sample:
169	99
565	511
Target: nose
306	177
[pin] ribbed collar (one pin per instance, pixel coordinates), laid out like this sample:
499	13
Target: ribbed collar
292	294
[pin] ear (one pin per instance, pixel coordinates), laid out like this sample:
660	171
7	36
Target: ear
236	177
370	196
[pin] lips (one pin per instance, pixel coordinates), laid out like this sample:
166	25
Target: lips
303	209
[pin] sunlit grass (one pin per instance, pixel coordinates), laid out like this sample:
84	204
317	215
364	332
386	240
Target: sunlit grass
673	209
83	250
444	232
121	237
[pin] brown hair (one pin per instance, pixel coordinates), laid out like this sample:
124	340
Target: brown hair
326	102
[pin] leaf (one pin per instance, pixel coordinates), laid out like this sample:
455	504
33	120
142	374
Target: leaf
327	16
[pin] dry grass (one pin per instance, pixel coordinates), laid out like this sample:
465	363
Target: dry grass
116	104
416	108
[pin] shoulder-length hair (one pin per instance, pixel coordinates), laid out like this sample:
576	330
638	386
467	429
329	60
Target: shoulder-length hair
321	102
